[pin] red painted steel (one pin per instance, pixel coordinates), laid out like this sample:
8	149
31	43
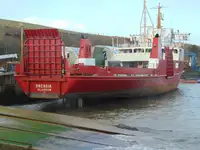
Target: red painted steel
170	63
85	49
44	52
47	74
41	33
155	49
131	85
188	81
108	71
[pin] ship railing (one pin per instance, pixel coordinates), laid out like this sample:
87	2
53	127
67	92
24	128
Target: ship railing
77	69
94	70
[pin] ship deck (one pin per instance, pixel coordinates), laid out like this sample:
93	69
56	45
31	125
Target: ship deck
28	129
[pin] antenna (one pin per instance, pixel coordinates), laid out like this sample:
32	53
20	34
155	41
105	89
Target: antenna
143	24
180	38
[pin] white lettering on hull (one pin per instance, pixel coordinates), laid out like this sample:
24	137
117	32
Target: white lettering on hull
43	87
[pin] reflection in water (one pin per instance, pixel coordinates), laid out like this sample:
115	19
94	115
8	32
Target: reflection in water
172	119
120	109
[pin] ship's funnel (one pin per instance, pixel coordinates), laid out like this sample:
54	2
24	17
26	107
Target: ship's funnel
85	48
156	47
85	53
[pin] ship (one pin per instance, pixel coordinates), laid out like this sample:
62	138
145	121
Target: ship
45	72
48	71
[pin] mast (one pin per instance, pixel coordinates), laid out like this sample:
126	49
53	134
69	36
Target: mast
159	24
159	17
145	20
176	37
143	24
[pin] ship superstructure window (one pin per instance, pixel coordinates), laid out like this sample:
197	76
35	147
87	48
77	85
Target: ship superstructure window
148	50
145	64
180	54
129	64
135	64
125	50
175	51
138	50
114	63
162	53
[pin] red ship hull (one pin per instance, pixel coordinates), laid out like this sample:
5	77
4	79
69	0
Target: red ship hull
112	87
88	87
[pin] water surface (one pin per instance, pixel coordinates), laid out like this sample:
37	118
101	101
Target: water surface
172	120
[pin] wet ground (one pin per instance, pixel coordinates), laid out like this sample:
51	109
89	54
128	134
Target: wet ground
172	120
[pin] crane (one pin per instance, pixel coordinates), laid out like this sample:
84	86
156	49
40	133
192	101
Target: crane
193	59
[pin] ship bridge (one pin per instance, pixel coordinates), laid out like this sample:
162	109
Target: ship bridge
132	54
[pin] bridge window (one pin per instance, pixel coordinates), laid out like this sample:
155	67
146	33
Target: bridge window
142	50
148	50
129	50
138	50
125	50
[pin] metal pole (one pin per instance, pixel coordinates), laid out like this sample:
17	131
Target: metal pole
145	32
22	48
117	42
113	41
22	42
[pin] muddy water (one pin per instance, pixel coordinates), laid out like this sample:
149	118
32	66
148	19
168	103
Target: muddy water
172	120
